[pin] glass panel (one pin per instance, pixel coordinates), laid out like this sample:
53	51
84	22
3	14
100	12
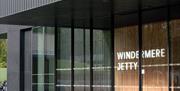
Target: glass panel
82	60
155	63
126	43
175	33
81	88
64	77
101	45
154	52
175	48
102	59
64	88
63	59
81	45
64	48
43	59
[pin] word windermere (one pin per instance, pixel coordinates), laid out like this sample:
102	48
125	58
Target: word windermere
153	53
145	54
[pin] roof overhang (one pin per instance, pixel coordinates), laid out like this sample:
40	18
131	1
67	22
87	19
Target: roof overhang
60	14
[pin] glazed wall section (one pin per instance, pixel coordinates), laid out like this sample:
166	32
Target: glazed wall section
155	75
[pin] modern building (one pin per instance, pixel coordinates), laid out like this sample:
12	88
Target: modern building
92	45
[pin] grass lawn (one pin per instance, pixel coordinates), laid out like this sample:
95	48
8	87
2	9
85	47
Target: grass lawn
3	74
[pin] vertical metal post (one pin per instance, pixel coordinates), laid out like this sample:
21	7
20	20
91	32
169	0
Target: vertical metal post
140	43
72	45
169	45
91	45
22	46
112	45
56	53
84	58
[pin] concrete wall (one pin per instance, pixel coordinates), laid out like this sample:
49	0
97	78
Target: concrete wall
13	61
13	55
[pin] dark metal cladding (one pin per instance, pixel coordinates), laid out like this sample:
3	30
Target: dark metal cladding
10	7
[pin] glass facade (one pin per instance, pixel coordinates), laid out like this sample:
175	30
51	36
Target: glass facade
44	66
63	59
81	60
109	46
149	29
126	76
101	60
43	60
158	66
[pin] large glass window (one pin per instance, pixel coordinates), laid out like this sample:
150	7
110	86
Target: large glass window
101	53
101	60
175	48
63	70
126	41
155	50
82	60
81	45
156	54
43	59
